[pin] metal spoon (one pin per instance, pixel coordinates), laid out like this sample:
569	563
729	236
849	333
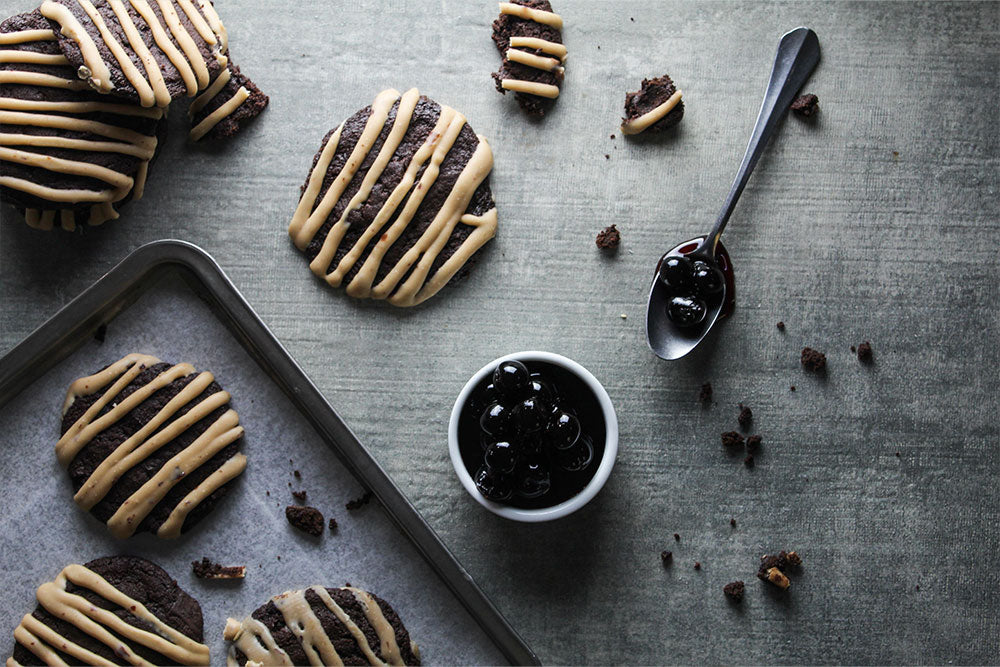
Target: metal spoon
798	54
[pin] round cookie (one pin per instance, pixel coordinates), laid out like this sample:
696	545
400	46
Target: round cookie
135	604
655	107
67	154
331	626
149	446
528	35
397	202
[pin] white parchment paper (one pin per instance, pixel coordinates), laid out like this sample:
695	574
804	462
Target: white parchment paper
42	530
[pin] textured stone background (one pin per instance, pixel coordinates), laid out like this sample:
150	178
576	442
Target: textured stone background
878	222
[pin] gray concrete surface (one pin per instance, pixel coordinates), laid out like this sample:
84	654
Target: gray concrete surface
877	222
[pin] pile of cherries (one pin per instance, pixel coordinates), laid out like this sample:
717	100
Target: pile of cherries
693	285
527	432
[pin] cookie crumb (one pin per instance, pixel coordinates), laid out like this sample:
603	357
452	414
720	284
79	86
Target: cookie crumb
612	136
332	525
358	503
748	461
705	395
754	443
732	439
677	537
793	559
300	496
865	352
666	557
623	316
298	475
805	105
206	569
697	565
792	388
608	237
772	566
781	326
778	578
813	360
101	333
734	591
897	454
853	349
732	522
745	417
307	519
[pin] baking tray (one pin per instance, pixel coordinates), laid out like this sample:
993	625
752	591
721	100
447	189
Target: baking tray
176	264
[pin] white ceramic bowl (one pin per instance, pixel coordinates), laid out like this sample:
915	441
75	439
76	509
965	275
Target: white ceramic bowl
604	467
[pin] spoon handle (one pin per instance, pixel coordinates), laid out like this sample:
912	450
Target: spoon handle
798	54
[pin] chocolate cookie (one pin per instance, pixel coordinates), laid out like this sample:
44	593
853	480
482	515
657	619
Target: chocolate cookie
226	106
141	612
397	201
145	51
149	446
528	35
656	106
67	154
321	626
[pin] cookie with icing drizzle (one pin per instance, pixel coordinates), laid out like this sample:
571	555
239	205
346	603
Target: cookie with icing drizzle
149	446
528	35
397	202
321	626
114	610
655	107
68	155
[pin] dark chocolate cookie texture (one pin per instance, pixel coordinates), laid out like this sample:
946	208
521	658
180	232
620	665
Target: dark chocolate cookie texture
656	106
528	35
397	202
149	446
114	610
322	626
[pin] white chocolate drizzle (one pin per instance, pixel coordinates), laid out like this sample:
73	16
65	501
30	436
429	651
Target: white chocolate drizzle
223	111
103	625
148	439
253	639
416	262
640	123
546	64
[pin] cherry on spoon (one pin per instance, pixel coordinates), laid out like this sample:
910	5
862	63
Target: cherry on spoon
681	311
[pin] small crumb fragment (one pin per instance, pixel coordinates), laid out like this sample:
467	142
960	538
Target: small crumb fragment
666	557
299	496
332	525
623	316
732	522
748	461
897	454
853	349
794	559
734	591
298	475
206	569
732	439
754	442
608	238
745	417
813	360
358	503
781	326
677	537
607	156
697	565
612	136
307	519
778	578
865	353
705	395
806	105
772	567
792	388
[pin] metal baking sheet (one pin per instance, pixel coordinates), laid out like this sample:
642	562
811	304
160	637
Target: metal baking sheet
170	299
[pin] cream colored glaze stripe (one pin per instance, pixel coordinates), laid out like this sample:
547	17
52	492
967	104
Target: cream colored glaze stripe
386	633
60	195
137	507
220	82
531	87
79	125
140	445
299	236
15	104
23	36
228	471
352	627
369	270
531	60
74	144
187	44
303	623
404	114
166	45
96	69
86	427
216	117
254	640
198	21
39	79
47	634
32	57
543	45
63	166
305	229
138	188
34	644
361	285
128	68
154	76
414	290
637	125
536	15
485	229
213	20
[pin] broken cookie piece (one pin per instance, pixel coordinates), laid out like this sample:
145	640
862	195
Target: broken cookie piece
773	566
206	569
734	591
307	519
609	238
528	35
805	105
656	106
732	439
813	360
